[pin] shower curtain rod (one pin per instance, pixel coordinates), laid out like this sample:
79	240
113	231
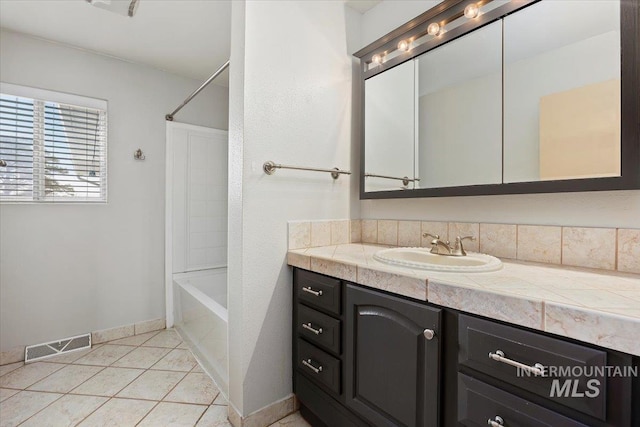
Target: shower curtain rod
169	117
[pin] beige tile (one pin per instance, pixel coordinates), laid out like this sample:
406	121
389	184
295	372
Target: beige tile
142	357
72	356
597	327
108	382
234	417
539	243
119	413
320	233
105	355
216	416
299	235
173	414
29	374
396	283
498	240
409	233
335	269
589	247
149	326
176	360
152	385
298	260
6	393
293	420
598	299
197	369
23	405
340	232
136	339
268	415
13	355
168	339
369	231
5	369
388	232
66	379
66	411
629	250
194	388
220	400
463	229
497	306
356	230
111	334
440	229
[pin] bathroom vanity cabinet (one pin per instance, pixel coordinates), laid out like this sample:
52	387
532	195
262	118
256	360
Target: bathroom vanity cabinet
366	357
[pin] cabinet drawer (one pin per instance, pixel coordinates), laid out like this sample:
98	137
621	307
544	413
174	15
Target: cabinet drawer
319	328
318	291
492	348
319	366
480	403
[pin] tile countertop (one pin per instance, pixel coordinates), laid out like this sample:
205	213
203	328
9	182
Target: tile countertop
594	306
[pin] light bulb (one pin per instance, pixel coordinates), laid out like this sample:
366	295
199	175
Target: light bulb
471	11
433	29
404	45
376	59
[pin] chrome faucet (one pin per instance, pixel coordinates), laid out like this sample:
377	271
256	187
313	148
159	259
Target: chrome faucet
440	247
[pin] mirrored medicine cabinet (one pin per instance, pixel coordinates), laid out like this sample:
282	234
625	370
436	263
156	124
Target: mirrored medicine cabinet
503	97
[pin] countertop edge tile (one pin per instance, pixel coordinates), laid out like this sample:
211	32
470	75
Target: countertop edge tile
468	293
526	312
601	328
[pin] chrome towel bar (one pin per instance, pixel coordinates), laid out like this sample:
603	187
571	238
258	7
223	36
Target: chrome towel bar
405	179
270	168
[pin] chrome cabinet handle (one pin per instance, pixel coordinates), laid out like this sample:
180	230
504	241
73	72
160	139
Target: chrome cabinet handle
310	290
537	369
309	365
429	334
308	327
497	421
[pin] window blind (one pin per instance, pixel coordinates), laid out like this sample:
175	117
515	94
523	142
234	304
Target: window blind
52	151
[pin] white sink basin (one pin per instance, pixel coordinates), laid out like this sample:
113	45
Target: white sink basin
422	258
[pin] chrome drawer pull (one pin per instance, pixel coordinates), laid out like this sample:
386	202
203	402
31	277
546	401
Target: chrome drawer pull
429	334
308	327
537	369
308	289
496	422
308	364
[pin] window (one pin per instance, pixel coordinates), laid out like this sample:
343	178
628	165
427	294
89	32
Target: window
53	146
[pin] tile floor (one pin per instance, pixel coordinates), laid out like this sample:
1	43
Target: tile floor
149	380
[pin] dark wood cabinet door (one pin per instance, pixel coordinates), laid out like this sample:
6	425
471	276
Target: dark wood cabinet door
392	367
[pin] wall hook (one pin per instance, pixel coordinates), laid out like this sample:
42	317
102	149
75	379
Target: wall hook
138	155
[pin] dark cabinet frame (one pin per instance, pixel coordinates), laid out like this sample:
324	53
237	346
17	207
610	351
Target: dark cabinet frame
448	9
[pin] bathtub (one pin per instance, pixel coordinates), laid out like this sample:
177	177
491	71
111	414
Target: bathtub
200	310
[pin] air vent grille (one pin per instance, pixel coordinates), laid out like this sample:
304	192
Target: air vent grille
53	348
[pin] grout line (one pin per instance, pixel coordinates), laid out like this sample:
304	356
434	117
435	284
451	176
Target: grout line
37	412
115	395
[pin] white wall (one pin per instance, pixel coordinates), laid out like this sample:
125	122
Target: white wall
70	269
598	209
290	102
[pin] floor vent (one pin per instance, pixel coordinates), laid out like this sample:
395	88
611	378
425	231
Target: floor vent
53	348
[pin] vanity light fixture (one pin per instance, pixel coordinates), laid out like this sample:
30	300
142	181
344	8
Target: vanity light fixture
471	11
434	29
404	45
377	59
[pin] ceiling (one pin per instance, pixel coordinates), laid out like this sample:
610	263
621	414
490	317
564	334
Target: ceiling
362	5
190	38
